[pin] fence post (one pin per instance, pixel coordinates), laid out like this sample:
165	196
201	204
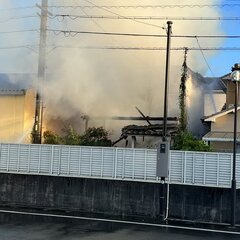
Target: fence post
39	156
79	161
115	163
69	154
123	165
0	155
59	159
193	173
52	151
185	167
133	163
8	159
18	162
102	162
204	169
91	156
29	157
145	164
218	159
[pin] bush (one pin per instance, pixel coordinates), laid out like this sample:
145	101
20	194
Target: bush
186	142
92	137
51	138
96	137
71	137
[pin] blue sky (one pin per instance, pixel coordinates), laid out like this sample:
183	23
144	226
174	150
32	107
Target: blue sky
223	61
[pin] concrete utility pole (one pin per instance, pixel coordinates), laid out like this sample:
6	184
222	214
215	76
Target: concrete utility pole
169	34
37	131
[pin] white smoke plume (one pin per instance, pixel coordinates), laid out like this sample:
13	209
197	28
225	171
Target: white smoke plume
113	82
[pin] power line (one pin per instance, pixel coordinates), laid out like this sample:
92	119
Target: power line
74	33
148	6
106	10
147	48
16	18
204	57
17	8
20	31
31	47
74	17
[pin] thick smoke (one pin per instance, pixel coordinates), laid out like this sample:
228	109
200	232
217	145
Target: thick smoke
113	82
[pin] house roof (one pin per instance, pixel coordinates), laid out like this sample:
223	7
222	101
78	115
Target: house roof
220	137
16	81
212	117
12	92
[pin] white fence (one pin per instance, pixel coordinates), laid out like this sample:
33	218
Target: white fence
204	169
207	169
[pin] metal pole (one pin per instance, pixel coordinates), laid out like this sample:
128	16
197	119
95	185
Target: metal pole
37	131
162	202
233	205
169	33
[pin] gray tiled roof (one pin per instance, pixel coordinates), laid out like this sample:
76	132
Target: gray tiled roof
15	82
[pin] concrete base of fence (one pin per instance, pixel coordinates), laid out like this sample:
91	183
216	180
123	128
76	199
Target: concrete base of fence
120	199
202	204
114	199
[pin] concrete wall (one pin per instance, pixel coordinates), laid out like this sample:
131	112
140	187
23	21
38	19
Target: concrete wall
115	199
202	204
102	197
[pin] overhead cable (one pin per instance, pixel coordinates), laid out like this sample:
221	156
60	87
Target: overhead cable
147	48
205	59
119	15
149	6
31	47
20	31
74	33
17	8
175	18
16	18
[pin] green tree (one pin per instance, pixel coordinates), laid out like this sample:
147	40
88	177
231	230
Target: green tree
72	137
50	137
92	137
186	142
95	137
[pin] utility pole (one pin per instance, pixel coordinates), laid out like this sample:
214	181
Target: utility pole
37	129
163	147
169	34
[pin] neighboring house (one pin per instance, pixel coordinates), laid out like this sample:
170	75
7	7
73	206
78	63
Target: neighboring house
17	104
220	123
204	97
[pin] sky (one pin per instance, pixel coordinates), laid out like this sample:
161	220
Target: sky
223	61
84	79
220	62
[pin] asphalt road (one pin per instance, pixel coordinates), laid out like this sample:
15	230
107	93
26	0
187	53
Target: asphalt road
15	227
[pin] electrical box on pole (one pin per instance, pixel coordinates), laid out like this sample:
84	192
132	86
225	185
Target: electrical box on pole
163	160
